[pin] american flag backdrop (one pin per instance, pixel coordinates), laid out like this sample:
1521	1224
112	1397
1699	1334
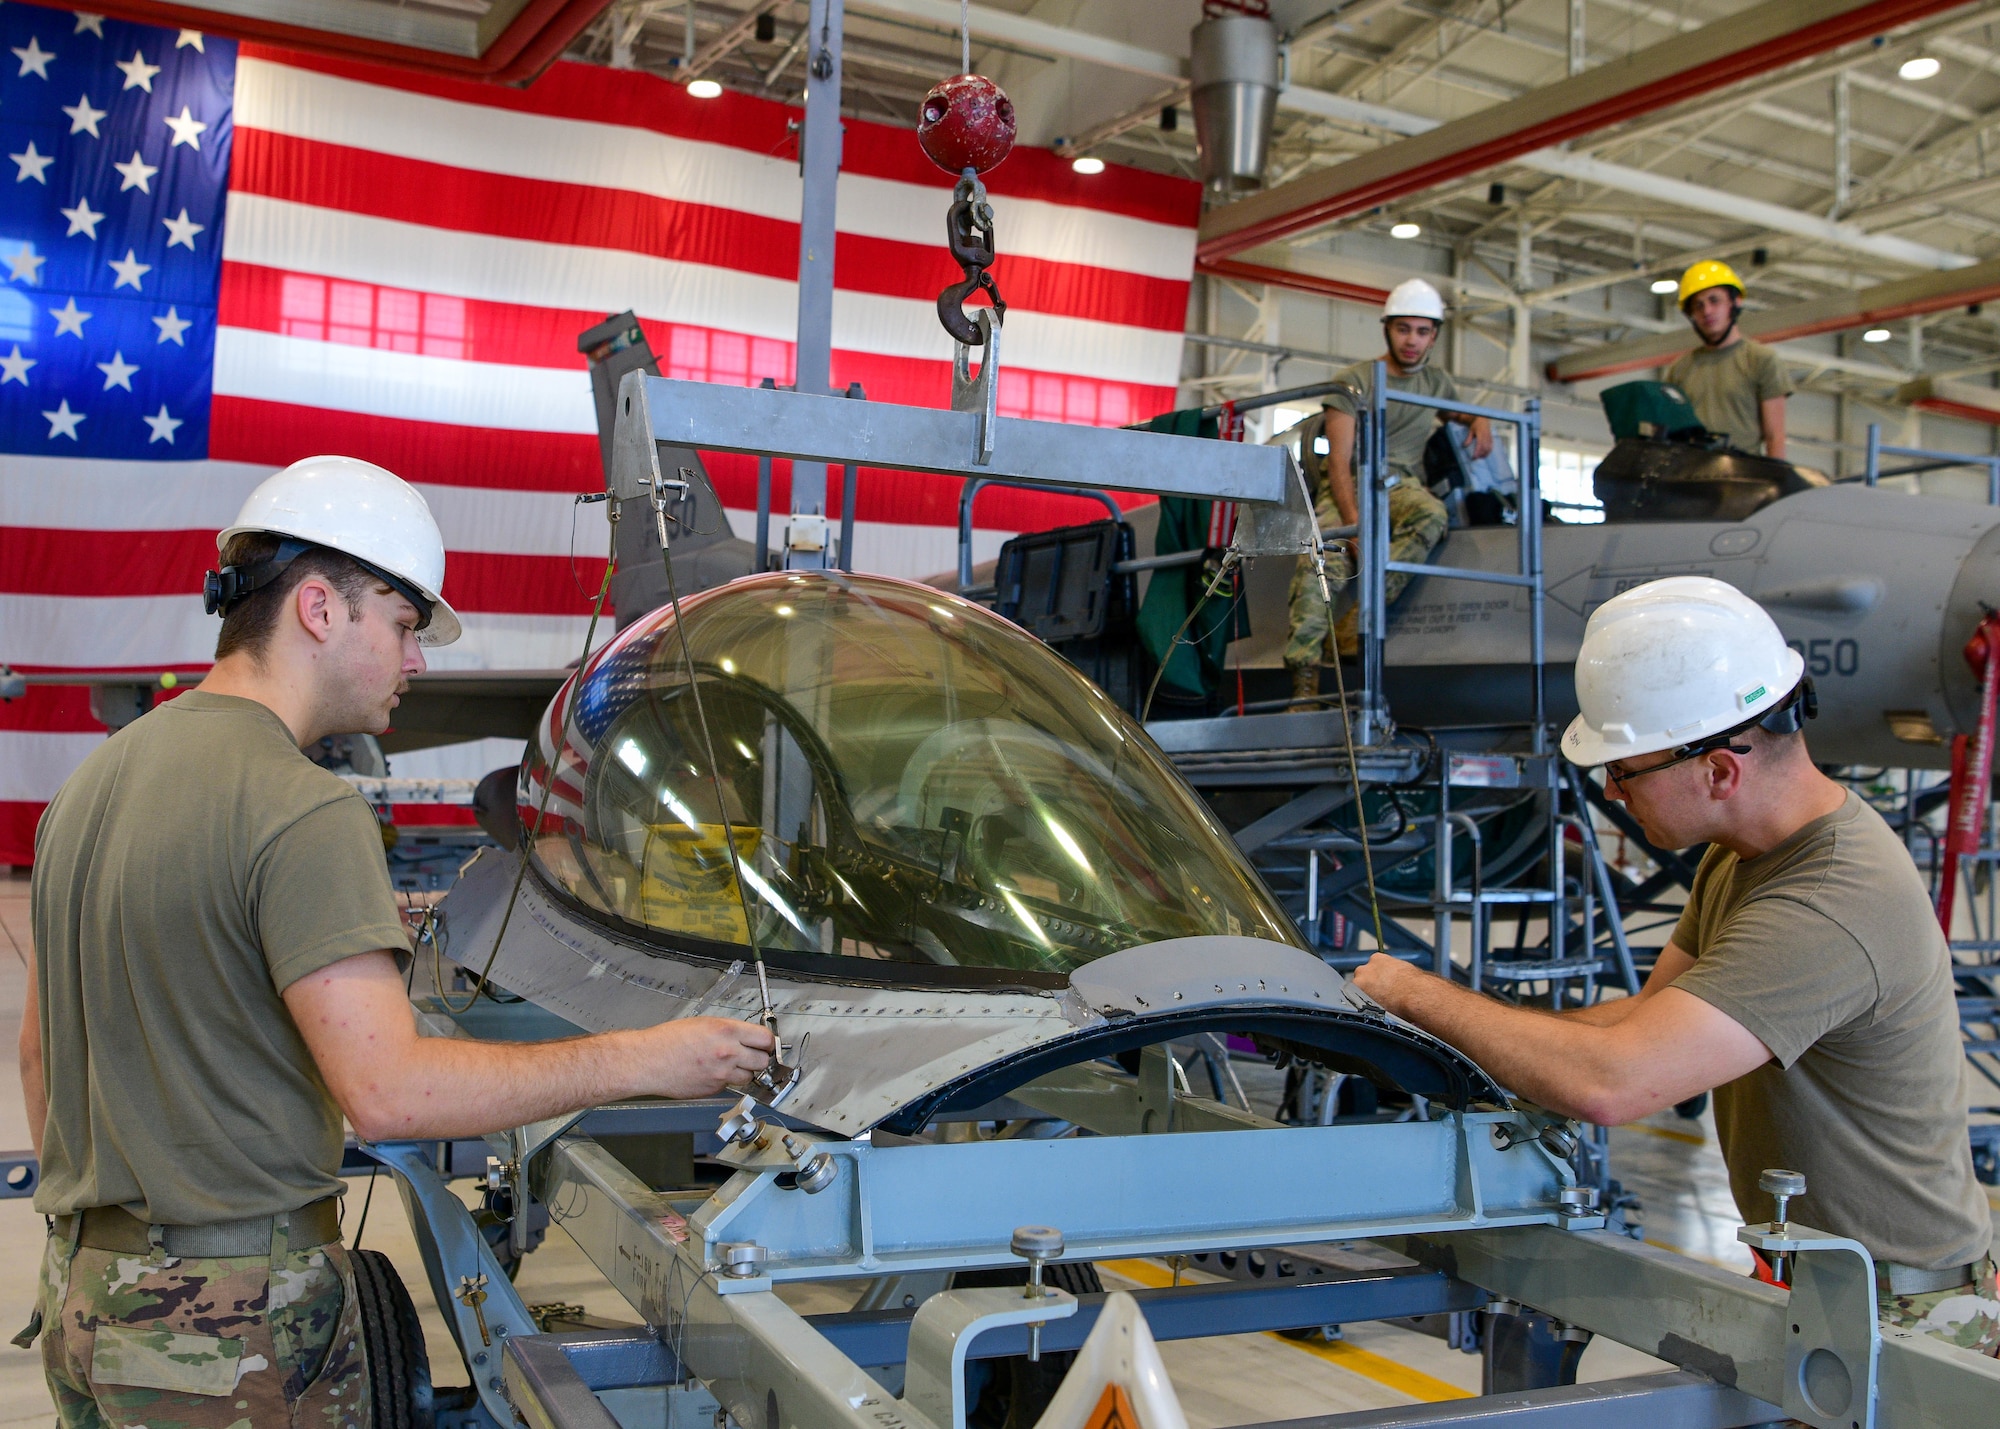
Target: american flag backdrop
219	259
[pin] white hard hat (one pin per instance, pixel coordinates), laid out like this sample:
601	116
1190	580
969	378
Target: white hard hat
1414	298
362	511
1671	663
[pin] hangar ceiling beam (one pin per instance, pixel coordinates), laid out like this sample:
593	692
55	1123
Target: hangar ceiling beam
454	46
1755	41
1907	297
1042	37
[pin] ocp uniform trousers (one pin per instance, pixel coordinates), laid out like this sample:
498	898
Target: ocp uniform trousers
137	1341
1417	522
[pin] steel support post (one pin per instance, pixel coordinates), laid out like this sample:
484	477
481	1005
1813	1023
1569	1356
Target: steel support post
1529	515
819	163
472	1292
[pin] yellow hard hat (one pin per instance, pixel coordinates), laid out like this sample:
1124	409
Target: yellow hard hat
1709	274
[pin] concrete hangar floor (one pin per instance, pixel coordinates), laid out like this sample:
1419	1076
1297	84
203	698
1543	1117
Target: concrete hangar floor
1670	1163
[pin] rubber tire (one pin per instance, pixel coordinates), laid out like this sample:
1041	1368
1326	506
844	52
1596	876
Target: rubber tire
399	1367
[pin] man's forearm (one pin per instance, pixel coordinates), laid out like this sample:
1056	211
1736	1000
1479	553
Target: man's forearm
1557	1062
34	1090
1340	482
34	1095
447	1087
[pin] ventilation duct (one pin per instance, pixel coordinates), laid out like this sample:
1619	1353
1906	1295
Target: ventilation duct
1234	76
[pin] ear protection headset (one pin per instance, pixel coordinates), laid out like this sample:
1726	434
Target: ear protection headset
222	591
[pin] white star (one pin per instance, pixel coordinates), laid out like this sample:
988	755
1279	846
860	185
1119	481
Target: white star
62	421
117	372
136	173
163	425
87	21
190	37
68	319
34	59
129	270
138	74
171	327
187	130
32	164
14	367
82	219
83	119
182	230
24	265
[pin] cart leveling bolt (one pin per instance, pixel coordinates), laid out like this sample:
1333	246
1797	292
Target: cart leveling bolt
1037	1245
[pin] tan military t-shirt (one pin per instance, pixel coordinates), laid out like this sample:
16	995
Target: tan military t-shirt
1410	427
194	866
1728	386
1826	949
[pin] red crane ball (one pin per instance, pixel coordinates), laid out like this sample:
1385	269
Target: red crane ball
966	122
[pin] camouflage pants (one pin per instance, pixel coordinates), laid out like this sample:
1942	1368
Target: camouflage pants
1968	1317
248	1342
1417	522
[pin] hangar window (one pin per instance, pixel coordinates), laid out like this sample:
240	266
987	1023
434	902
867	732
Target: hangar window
903	776
1567	484
365	315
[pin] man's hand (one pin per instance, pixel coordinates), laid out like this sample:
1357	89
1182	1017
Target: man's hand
701	1056
1388	980
1481	443
395	1085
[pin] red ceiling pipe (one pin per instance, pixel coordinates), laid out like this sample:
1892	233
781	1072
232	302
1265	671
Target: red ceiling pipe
530	44
1298	282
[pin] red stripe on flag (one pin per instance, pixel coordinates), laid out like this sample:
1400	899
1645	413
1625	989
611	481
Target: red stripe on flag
275	434
51	709
538	210
568	90
165	563
17	832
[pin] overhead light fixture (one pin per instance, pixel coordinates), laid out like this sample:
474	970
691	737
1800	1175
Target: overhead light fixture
704	89
1922	67
1877	334
1663	286
1405	229
1085	164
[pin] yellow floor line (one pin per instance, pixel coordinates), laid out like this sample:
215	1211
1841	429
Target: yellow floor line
1689	1137
1366	1363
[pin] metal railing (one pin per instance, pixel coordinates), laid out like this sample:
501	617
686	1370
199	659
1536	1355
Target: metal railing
1923	459
1372	499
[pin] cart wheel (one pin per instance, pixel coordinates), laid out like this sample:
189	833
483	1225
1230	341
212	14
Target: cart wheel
399	1369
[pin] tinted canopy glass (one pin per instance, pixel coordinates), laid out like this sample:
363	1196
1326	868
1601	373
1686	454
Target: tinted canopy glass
895	773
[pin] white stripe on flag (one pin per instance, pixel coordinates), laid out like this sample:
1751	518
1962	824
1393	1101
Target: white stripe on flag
148	632
63	494
406	385
297	238
34	763
308	105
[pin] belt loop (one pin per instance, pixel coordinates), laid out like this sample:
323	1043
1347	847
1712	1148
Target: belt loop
156	1237
75	1235
281	1241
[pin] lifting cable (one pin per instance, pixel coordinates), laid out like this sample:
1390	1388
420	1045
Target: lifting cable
1346	715
549	777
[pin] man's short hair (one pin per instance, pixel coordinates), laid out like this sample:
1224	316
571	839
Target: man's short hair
249	624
